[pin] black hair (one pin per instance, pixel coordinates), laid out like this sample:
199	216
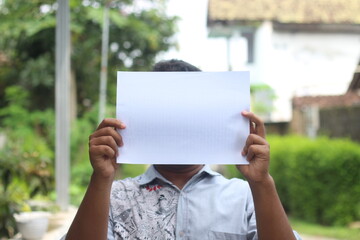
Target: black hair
174	65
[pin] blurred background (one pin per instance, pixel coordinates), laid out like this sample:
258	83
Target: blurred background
304	61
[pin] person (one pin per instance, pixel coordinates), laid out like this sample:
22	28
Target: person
180	201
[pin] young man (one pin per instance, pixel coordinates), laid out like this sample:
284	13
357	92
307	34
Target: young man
180	201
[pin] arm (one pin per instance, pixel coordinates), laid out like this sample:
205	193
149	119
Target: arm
91	220
271	219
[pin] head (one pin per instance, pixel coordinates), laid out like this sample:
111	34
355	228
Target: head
174	65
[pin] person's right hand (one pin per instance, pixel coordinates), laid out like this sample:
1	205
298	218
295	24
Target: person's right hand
103	148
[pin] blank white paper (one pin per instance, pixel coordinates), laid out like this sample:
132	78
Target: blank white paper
183	117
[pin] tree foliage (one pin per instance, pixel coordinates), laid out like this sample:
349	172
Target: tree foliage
139	30
262	97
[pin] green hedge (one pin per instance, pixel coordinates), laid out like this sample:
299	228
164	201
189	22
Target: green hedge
317	180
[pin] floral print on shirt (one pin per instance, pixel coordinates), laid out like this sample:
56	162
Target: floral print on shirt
143	211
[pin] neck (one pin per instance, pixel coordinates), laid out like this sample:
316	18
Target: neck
179	175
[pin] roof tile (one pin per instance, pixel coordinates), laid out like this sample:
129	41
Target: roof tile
348	99
286	11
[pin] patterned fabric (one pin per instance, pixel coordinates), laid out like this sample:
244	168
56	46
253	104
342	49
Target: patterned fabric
150	207
143	212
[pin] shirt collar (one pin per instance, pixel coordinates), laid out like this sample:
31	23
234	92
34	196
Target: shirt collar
152	174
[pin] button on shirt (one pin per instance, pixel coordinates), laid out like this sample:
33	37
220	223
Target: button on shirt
208	207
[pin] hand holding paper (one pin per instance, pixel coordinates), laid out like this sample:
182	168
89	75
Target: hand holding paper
183	117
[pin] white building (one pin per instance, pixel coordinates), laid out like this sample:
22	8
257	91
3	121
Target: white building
298	47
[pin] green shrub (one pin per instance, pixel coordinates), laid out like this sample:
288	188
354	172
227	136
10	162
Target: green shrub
283	152
26	156
317	180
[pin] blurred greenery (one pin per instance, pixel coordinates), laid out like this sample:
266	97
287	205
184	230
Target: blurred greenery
27	46
262	97
27	80
320	231
26	158
317	180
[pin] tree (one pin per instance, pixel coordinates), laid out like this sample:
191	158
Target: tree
137	34
262	97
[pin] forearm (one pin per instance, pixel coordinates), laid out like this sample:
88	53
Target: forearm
271	219
91	220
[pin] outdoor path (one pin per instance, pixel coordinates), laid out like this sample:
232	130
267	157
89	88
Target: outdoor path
306	237
59	224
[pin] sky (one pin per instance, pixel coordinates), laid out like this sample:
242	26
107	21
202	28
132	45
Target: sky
193	44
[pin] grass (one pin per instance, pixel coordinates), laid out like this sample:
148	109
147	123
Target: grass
337	232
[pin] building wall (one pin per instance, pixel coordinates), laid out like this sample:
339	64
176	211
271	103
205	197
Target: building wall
297	124
300	63
333	122
341	122
277	128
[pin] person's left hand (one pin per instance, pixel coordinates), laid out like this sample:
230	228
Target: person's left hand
256	150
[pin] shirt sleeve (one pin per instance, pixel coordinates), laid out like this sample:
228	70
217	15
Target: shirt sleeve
110	233
297	235
252	229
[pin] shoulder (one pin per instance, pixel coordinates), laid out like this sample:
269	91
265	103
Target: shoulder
126	184
216	178
219	180
123	187
217	183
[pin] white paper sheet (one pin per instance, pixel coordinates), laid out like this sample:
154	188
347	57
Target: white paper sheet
183	117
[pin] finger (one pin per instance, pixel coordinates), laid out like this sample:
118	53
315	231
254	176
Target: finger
253	139
106	141
108	131
102	150
252	127
259	125
111	122
257	151
115	164
250	154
